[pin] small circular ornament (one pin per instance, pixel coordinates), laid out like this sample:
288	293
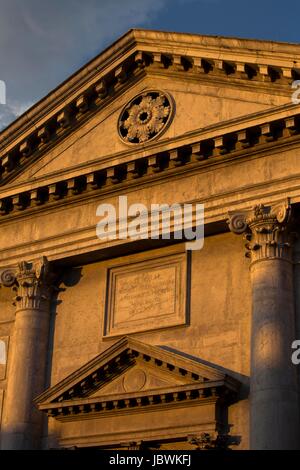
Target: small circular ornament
145	117
134	380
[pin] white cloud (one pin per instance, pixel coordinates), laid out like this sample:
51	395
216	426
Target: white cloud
11	111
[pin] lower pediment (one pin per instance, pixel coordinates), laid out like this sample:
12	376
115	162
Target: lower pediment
138	378
131	375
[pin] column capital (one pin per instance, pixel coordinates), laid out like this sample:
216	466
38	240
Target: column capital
268	230
30	281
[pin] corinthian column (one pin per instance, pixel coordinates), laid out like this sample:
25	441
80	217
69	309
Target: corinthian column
22	424
273	382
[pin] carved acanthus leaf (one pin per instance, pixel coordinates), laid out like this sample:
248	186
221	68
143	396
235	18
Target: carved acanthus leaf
267	229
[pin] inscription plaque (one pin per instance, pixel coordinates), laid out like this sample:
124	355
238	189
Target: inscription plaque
147	295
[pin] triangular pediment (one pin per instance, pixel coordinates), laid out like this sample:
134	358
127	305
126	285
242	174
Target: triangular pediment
210	80
143	376
131	373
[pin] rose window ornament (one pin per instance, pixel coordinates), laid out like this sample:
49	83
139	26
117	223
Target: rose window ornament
145	117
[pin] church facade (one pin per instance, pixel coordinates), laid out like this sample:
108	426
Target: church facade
138	342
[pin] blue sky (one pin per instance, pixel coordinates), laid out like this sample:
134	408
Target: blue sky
42	42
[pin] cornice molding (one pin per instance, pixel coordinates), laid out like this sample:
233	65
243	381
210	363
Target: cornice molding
165	398
186	157
161	145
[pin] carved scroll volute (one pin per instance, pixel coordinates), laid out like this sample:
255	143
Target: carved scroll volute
7	277
267	229
282	212
237	222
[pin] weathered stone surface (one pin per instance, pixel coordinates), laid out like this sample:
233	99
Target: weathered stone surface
233	144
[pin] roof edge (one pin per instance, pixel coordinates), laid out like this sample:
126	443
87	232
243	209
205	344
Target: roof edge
118	49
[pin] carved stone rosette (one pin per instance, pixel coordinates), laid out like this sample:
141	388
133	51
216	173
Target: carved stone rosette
267	230
145	117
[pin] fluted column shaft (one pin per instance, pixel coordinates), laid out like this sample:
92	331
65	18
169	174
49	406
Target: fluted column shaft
22	425
274	414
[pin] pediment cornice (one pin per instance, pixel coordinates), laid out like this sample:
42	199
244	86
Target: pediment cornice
75	395
239	138
185	395
233	62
